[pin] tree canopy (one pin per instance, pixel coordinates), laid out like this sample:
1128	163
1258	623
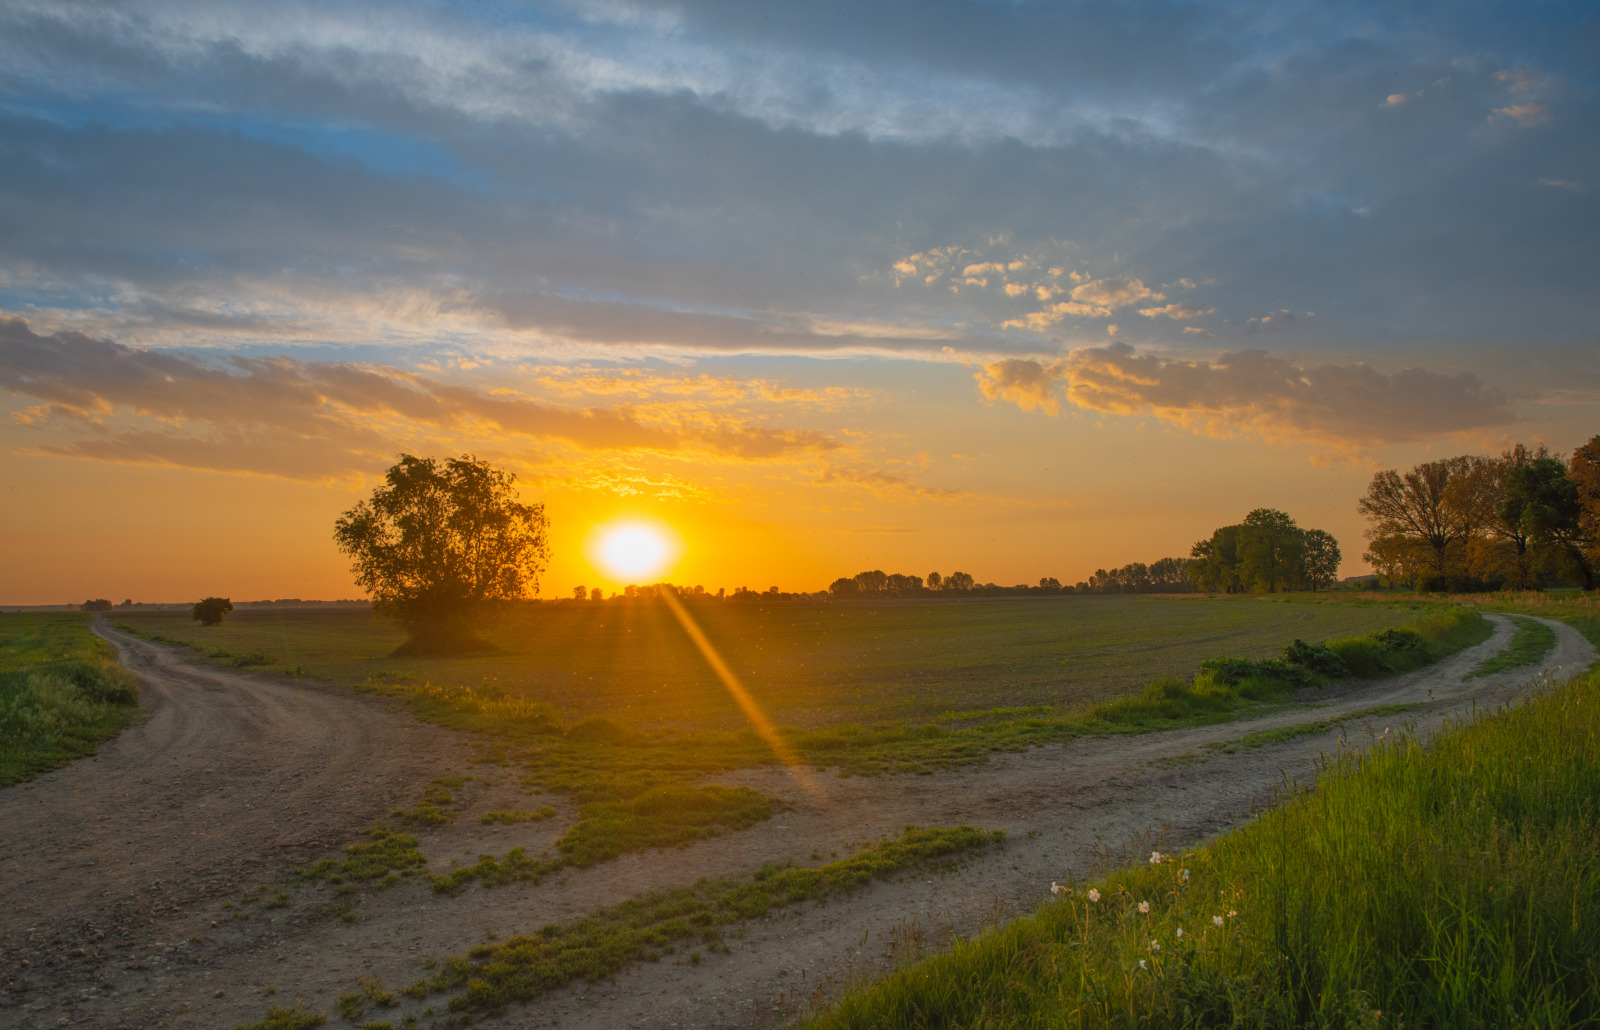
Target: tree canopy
1470	522
1266	552
208	611
438	542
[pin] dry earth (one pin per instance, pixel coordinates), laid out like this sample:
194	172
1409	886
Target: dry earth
114	871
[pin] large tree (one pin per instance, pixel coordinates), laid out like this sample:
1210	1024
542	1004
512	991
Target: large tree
1437	506
1322	559
1268	552
1510	504
438	543
1549	507
1585	472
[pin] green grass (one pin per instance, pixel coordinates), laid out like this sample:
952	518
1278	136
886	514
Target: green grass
1453	885
808	665
1263	738
61	693
636	789
508	818
656	925
635	785
285	1019
1529	644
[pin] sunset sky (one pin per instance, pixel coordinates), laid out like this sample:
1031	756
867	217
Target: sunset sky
1020	289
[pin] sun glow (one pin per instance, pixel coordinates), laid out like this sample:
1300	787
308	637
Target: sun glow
633	550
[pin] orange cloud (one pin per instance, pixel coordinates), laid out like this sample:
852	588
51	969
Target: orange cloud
309	420
1251	393
1027	384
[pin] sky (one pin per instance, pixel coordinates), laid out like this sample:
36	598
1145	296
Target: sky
1020	289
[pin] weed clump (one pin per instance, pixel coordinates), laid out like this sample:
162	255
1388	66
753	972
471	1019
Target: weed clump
286	1019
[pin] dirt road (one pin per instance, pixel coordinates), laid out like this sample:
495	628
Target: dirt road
128	856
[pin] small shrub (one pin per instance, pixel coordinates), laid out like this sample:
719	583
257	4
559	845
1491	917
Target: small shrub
1318	658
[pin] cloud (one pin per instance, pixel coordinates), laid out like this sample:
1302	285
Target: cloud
1110	294
1179	312
1253	394
1026	383
885	482
1528	115
1096	298
1346	408
1515	81
308	420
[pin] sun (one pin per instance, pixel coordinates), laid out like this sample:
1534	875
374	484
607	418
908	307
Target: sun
632	550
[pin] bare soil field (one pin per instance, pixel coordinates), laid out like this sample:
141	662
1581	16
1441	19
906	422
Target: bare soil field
117	872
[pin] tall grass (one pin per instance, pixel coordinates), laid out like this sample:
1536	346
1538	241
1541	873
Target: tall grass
60	693
1456	885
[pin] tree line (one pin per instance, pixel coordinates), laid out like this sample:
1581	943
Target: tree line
1524	519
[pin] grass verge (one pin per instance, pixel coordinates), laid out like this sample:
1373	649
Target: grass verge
61	693
1530	643
656	925
1262	738
1452	885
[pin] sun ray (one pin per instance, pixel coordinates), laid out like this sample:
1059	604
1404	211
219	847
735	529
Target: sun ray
747	704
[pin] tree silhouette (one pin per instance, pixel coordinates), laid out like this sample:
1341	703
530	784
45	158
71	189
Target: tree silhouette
438	543
209	611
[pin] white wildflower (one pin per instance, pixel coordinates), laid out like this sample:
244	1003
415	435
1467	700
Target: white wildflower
1142	965
1155	858
1180	931
1144	906
1183	874
1056	888
1094	895
1217	920
1155	945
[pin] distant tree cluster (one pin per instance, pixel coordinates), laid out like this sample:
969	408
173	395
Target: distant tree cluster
877	583
1167	576
1524	519
1266	553
98	604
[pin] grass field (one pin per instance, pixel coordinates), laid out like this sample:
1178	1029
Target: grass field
61	692
637	787
1456	885
807	665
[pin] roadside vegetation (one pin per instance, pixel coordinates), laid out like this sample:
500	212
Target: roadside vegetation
61	692
1456	884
